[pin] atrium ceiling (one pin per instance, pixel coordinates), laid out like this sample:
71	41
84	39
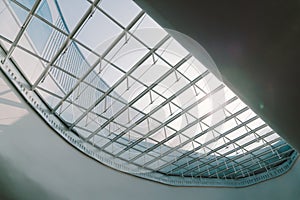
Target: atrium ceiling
121	89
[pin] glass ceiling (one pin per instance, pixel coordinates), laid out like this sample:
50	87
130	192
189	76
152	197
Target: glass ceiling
121	89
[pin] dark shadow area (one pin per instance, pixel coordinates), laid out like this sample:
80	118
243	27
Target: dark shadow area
15	185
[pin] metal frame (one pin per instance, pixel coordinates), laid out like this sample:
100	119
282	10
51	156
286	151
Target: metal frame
188	167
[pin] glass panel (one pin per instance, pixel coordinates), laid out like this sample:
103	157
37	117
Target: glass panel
115	8
67	12
98	32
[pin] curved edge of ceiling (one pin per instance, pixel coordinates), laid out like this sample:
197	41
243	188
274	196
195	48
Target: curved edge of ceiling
16	79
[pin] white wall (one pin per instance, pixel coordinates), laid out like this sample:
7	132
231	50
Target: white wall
35	163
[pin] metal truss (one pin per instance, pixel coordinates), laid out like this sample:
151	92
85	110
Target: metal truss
106	124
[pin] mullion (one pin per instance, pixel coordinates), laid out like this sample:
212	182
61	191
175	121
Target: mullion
156	54
56	28
248	128
156	109
181	113
133	108
177	132
147	88
237	157
122	144
215	150
200	134
137	98
117	40
262	154
241	173
230	141
25	50
247	144
226	144
159	94
271	163
117	99
182	75
77	28
222	146
158	120
211	151
98	90
107	15
39	17
196	136
21	31
112	63
48	49
121	79
119	142
79	106
58	38
132	34
123	159
99	59
37	56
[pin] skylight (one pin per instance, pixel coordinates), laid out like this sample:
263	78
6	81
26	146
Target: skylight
121	89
